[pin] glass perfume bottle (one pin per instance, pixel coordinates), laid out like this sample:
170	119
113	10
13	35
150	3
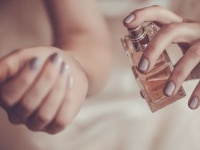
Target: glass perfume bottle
152	83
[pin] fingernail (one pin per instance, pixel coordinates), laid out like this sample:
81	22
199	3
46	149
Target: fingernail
129	19
143	64
169	89
193	103
70	82
35	64
56	58
64	68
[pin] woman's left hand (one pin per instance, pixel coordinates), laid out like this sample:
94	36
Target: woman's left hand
42	88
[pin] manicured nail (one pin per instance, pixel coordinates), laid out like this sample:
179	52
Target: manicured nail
130	18
143	64
56	58
193	103
35	64
64	68
169	89
70	82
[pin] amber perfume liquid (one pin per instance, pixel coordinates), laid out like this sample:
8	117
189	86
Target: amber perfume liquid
152	83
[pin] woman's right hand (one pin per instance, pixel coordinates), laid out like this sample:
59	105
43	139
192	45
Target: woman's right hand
173	29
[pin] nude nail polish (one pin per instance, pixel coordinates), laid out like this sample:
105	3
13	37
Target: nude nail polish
169	89
193	103
56	58
143	64
34	64
151	83
130	18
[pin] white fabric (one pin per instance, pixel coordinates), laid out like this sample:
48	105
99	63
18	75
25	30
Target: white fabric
116	119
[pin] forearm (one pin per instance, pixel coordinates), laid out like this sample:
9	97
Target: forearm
79	28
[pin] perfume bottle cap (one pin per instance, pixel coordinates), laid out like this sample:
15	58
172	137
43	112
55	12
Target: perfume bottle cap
136	32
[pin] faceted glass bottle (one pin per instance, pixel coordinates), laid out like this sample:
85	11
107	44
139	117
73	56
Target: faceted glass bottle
152	83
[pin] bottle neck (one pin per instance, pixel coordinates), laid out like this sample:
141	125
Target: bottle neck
139	38
137	34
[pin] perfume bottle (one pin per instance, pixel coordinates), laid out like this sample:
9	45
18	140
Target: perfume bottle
152	83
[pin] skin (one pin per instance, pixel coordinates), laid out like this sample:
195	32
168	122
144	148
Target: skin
173	29
46	97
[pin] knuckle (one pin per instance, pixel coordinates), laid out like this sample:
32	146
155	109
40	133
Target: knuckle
44	118
170	27
58	125
61	123
7	99
26	107
172	30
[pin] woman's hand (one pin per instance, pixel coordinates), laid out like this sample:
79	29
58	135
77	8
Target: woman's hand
173	29
42	87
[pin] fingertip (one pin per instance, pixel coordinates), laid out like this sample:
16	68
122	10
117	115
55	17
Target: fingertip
193	103
169	88
130	22
143	65
129	19
35	64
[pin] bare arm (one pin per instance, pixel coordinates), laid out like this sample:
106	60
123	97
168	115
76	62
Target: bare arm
80	29
44	87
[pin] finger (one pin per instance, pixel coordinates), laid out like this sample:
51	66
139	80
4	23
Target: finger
148	14
173	33
194	100
195	74
40	89
13	62
48	109
69	108
183	68
10	91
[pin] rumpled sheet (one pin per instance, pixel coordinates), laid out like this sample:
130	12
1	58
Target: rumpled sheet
118	118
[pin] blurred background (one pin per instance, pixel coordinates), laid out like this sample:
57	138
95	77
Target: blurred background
118	118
